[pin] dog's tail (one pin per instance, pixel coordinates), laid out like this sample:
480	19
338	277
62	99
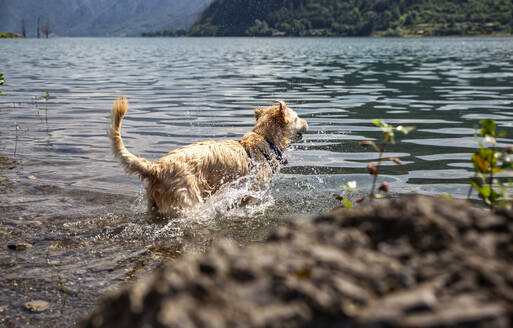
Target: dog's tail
131	163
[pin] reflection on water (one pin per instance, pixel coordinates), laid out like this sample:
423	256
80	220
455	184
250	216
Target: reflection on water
63	193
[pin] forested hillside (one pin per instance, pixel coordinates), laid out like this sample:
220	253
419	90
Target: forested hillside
355	17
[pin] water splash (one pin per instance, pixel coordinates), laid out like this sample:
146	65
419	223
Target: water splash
226	202
139	206
218	210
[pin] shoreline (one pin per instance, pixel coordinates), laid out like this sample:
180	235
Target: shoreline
410	261
276	37
338	36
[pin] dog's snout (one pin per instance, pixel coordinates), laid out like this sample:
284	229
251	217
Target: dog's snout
301	128
304	125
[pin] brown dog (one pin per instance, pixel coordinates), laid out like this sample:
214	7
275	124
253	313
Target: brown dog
188	175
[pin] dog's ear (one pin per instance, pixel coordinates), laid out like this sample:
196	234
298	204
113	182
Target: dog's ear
282	112
258	113
282	104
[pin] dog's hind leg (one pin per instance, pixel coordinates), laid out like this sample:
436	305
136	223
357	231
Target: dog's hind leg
189	194
172	200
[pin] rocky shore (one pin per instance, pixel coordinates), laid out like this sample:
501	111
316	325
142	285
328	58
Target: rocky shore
414	261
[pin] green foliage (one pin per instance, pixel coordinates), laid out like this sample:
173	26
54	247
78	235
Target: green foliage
489	161
203	30
484	161
259	29
355	17
446	196
347	199
347	203
9	36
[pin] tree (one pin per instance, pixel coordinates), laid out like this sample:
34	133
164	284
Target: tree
38	29
23	28
46	29
203	30
259	29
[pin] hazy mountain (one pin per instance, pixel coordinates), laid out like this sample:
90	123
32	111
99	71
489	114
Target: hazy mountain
99	17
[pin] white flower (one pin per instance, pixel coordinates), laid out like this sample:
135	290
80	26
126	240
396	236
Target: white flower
352	184
404	129
490	139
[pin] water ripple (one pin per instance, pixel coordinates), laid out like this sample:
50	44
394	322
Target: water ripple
63	191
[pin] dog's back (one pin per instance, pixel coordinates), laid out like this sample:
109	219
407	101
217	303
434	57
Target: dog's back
189	174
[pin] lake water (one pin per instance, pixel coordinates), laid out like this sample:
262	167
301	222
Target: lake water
62	192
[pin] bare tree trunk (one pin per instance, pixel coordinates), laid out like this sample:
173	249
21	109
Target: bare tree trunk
46	29
23	28
38	30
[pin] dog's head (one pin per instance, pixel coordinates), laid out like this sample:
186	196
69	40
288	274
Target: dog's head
280	121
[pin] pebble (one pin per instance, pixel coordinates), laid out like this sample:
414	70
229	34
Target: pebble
19	246
37	306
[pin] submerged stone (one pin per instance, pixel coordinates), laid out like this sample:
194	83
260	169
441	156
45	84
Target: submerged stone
37	306
19	246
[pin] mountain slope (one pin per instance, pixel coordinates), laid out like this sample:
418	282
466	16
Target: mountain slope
355	17
99	17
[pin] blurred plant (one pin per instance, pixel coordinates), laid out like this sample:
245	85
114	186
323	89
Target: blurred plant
488	162
56	273
388	136
36	102
19	130
373	169
446	196
2	81
348	198
46	98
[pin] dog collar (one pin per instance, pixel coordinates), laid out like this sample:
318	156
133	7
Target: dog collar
278	153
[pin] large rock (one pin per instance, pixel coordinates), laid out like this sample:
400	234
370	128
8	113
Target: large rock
414	261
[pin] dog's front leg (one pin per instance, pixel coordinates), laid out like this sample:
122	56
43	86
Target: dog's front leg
260	178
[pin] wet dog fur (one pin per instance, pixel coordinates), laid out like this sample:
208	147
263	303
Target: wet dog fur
187	175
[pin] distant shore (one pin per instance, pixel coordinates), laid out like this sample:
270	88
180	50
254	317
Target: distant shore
421	31
377	35
10	36
381	34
